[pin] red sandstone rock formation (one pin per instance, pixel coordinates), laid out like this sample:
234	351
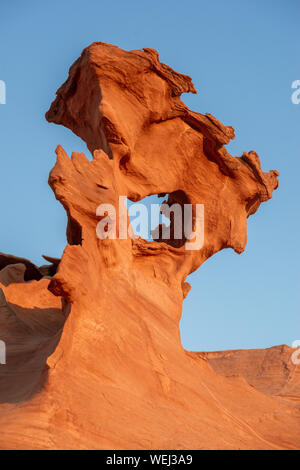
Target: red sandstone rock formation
100	328
271	371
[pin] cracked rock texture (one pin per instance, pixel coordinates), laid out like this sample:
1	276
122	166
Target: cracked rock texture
94	357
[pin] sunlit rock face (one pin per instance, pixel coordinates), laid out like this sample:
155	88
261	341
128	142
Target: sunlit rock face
100	327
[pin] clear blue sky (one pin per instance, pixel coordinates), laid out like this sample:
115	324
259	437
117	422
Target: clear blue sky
243	56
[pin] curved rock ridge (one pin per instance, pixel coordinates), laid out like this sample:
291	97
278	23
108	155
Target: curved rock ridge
111	371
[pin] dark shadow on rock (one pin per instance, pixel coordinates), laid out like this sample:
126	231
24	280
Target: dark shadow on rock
30	336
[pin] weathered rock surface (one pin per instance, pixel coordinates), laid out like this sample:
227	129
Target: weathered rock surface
108	368
271	371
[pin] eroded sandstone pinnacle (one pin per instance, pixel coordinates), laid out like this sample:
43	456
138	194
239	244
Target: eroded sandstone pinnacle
100	328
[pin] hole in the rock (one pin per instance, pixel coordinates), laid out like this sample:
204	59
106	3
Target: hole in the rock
145	215
159	218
